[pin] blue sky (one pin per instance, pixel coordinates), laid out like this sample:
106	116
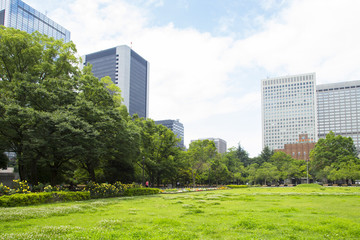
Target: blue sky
218	17
208	57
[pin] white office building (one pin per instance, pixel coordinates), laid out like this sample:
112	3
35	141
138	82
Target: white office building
339	110
288	109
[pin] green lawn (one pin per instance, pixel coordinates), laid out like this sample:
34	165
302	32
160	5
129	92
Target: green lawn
250	213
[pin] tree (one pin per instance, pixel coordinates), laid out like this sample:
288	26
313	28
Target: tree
243	155
37	78
251	173
265	155
288	167
331	152
160	154
200	153
3	160
219	171
347	171
57	118
267	173
3	157
235	165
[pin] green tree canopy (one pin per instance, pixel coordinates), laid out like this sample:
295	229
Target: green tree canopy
330	155
57	118
199	154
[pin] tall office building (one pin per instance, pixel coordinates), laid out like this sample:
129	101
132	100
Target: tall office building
176	126
288	109
19	15
220	144
128	70
339	110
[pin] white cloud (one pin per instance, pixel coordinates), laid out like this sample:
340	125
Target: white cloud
309	36
197	77
155	3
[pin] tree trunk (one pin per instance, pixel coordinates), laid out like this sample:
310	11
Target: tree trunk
158	181
34	173
54	173
21	165
92	174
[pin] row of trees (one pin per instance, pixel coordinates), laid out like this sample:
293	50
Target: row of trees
66	126
333	159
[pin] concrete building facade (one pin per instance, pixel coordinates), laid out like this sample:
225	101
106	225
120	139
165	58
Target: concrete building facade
288	109
338	110
129	71
176	126
19	15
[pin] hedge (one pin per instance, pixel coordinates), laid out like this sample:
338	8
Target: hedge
16	200
141	191
237	186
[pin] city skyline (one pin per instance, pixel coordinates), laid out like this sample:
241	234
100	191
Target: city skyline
208	57
288	109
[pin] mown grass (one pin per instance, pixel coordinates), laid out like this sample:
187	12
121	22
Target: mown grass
249	213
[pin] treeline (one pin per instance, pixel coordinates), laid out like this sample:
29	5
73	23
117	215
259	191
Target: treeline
66	126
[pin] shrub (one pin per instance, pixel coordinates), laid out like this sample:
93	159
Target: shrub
4	190
238	186
16	200
141	191
21	186
70	196
104	190
50	188
38	188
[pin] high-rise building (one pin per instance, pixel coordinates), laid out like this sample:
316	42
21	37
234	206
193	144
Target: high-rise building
220	144
176	126
288	109
128	70
338	110
19	15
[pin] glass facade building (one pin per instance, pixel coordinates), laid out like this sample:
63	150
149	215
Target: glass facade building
19	15
288	109
176	126
128	70
338	110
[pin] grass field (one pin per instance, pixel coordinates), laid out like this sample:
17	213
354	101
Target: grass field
250	213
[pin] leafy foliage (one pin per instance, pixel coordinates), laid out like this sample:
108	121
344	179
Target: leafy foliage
57	118
16	200
334	158
200	153
4	190
21	186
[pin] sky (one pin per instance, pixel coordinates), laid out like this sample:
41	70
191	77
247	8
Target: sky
208	57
